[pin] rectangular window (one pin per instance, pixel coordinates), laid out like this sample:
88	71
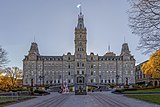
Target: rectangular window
82	64
91	66
112	81
77	72
82	72
94	80
131	72
91	72
91	80
77	64
126	72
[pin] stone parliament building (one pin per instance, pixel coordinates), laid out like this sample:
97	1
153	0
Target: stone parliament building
78	70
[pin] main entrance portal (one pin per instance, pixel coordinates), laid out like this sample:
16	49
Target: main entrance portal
80	85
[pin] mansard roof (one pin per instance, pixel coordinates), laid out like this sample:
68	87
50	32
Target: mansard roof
109	58
110	54
51	58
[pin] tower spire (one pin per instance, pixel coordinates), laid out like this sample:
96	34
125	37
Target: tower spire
80	24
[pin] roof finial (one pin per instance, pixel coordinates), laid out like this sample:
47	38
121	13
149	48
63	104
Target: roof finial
124	39
109	47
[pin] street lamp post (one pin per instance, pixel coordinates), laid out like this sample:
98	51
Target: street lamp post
117	77
40	77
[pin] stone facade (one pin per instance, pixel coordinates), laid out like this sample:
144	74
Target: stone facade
79	68
142	79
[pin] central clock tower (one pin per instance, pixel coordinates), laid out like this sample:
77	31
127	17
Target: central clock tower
80	56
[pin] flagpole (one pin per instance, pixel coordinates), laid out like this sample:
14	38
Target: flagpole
81	9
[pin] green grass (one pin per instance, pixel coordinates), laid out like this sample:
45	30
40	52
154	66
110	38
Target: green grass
146	90
10	100
7	103
6	98
154	98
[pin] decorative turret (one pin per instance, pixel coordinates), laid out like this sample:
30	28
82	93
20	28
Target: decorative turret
125	49
33	52
110	54
80	24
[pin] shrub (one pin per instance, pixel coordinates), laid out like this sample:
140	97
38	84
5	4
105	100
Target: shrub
41	92
119	90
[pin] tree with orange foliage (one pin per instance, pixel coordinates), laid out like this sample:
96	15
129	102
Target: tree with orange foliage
152	67
9	78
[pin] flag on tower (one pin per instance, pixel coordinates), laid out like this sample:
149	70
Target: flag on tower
79	5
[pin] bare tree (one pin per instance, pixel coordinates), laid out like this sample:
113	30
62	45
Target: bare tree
3	57
144	19
13	74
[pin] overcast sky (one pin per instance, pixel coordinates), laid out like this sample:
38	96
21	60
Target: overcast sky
52	22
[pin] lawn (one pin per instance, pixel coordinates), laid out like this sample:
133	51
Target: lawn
9	100
146	90
153	98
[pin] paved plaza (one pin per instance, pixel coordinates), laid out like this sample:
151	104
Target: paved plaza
95	99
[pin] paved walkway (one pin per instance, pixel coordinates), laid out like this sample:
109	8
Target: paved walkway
95	99
31	102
